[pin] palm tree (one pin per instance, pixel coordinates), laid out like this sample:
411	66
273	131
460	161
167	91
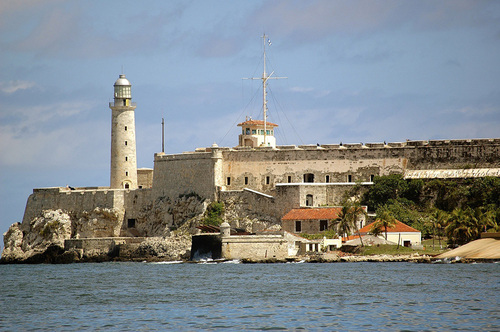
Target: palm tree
347	220
385	220
437	220
462	226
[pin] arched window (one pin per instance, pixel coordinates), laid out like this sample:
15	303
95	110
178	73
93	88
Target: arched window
309	200
308	177
127	186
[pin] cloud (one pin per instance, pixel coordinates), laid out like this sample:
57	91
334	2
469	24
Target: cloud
13	86
310	21
219	47
56	30
301	89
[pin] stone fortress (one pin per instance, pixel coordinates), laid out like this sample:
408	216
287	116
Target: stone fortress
258	181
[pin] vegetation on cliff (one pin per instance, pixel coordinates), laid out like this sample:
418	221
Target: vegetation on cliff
459	209
214	213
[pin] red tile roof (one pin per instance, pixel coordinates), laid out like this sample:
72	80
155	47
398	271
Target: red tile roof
398	228
257	122
312	213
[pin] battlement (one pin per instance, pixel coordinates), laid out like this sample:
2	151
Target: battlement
375	145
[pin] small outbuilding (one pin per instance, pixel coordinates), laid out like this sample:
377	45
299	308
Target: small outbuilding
400	233
312	220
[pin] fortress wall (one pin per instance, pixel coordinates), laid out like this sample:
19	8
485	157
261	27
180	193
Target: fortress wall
452	155
75	201
338	164
287	198
254	247
185	173
144	178
135	202
322	194
263	168
245	203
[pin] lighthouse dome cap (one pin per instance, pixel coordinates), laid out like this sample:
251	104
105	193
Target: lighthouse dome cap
122	80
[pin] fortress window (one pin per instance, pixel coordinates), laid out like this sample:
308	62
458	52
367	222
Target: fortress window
372	177
228	181
126	173
349	178
289	179
323	225
127	186
308	177
125	142
267	179
254	131
126	158
298	226
125	128
327	179
247	131
131	223
246	179
309	200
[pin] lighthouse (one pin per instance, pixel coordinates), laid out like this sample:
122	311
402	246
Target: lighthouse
123	152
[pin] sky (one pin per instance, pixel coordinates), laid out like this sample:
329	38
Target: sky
356	71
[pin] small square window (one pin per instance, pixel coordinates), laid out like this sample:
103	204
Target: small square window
254	131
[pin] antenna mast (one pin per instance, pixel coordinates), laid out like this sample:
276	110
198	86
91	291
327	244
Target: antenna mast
264	79
162	135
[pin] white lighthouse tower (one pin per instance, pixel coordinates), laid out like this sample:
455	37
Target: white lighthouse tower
123	152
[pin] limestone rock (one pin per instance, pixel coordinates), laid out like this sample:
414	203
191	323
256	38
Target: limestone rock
165	215
23	241
100	222
175	247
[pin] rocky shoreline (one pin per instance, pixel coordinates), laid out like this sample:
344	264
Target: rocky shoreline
57	255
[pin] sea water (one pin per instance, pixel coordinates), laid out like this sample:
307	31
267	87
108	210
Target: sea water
326	297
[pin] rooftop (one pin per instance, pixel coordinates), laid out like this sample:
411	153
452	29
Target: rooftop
398	228
257	123
312	213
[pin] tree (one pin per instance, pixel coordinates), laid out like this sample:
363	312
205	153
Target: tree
461	228
437	220
385	188
213	214
348	218
385	220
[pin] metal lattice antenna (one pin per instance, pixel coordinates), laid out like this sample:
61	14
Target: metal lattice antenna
264	79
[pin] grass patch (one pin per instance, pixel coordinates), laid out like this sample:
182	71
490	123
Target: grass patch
388	249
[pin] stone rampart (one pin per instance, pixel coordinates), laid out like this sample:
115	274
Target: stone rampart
99	246
186	173
76	201
261	169
250	209
255	247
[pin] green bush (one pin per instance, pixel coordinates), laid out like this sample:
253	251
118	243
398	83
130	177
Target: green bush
214	213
